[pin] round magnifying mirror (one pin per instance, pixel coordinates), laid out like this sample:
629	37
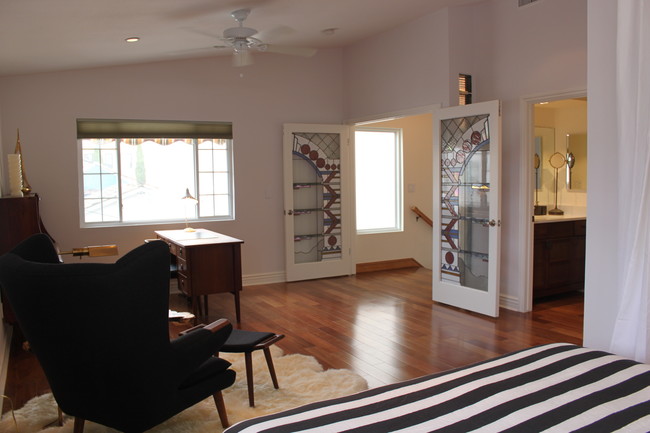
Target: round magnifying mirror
570	160
557	160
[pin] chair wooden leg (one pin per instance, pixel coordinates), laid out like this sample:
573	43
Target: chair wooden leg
78	425
221	409
249	378
269	362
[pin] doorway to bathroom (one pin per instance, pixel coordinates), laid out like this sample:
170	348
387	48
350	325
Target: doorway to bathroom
559	194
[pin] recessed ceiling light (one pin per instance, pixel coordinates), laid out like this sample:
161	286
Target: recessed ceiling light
132	39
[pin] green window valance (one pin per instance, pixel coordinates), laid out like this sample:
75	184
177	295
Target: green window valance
100	128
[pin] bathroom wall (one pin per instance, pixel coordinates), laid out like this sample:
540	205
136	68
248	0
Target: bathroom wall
564	117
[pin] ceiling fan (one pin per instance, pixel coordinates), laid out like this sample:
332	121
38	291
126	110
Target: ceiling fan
240	39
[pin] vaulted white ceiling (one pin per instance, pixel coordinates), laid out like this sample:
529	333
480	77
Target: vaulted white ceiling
49	35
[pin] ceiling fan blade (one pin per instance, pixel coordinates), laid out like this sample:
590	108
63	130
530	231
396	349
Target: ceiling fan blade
242	58
293	51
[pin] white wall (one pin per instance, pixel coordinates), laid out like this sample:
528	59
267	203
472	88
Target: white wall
277	89
415	241
513	52
400	69
602	273
525	51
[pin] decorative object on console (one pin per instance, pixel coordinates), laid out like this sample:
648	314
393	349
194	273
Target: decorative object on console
15	175
25	187
557	161
188	201
93	251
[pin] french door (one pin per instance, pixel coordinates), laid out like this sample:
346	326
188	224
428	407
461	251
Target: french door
467	210
318	218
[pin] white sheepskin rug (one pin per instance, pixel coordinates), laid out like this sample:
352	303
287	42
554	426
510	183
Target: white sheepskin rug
301	378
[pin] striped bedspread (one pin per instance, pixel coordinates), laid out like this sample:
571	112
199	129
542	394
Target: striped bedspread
554	388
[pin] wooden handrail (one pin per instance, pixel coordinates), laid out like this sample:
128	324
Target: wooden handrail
422	215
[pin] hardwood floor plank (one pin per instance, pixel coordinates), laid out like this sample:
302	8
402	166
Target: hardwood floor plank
382	325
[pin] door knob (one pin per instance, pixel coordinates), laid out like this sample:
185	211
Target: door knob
290	212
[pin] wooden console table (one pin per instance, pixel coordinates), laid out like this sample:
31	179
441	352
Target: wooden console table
208	262
19	218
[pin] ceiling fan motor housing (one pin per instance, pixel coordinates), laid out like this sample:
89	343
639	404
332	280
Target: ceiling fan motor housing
239	33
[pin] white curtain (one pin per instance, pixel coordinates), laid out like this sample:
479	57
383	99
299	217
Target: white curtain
631	331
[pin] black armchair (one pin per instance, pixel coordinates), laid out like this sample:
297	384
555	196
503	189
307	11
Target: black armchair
101	333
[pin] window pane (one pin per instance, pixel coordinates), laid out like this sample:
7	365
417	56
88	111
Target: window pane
378	179
154	177
93	210
221	183
206	206
205	160
207	184
91	163
221	205
92	186
220	160
111	209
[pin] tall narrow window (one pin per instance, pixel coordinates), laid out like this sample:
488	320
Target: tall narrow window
378	173
464	89
135	172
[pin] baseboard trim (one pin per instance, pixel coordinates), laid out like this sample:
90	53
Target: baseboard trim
509	303
268	278
387	265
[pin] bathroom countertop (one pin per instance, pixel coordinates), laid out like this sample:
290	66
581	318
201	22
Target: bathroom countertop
556	218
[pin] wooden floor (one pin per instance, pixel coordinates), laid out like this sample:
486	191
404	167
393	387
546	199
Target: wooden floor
383	325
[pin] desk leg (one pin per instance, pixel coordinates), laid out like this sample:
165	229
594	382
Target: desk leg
237	307
237	278
194	309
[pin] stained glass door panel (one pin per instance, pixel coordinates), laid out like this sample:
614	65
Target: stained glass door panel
466	245
317	242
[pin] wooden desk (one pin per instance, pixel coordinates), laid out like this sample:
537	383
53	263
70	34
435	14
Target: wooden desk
208	262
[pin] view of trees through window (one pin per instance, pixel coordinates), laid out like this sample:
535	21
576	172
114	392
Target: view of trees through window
144	180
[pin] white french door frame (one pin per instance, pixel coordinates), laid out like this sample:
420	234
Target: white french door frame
526	194
487	301
322	268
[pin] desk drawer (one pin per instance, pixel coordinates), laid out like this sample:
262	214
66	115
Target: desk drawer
182	265
184	284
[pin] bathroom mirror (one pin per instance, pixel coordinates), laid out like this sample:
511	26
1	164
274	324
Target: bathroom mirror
576	160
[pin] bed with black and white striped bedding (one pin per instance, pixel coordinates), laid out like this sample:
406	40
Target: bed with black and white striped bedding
554	388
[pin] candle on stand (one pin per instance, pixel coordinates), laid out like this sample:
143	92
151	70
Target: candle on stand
15	175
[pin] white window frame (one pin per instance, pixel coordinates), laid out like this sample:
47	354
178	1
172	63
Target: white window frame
195	189
398	204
